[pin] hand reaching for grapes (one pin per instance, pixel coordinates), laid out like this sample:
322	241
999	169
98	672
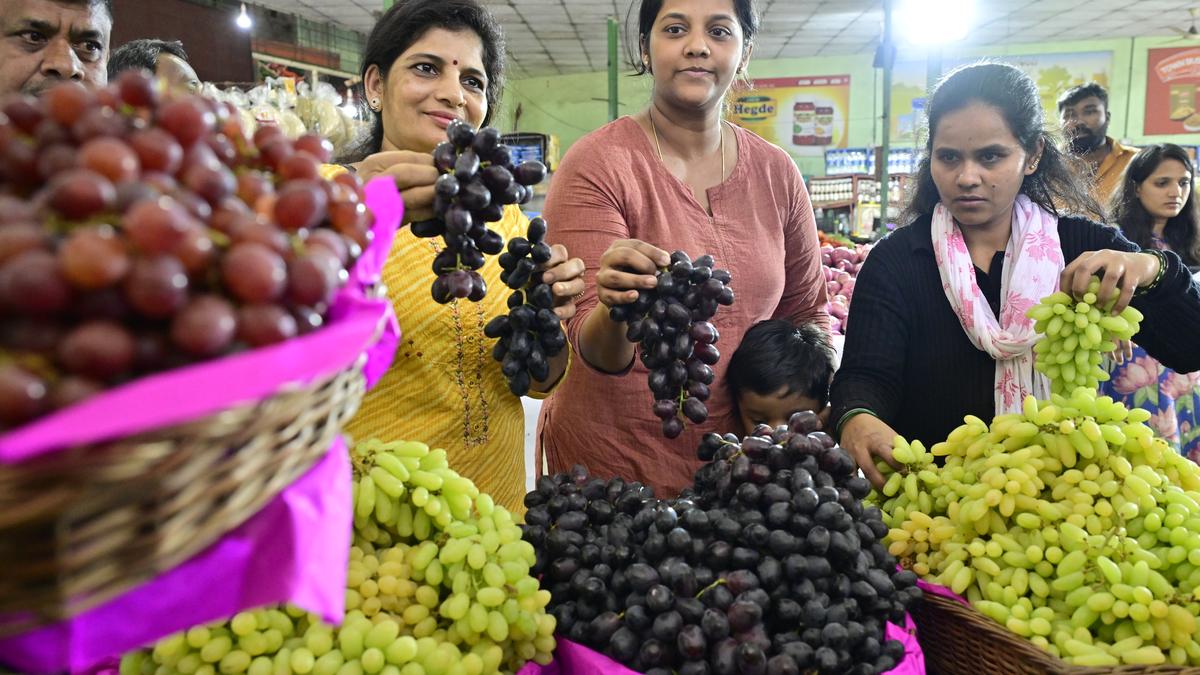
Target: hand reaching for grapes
1121	273
565	277
866	437
1123	352
414	174
628	265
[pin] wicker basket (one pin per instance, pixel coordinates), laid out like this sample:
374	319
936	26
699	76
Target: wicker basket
960	640
81	526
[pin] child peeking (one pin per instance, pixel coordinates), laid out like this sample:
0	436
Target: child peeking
779	370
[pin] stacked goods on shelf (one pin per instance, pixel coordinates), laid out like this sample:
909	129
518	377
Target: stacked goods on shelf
1067	523
841	266
439	582
139	234
295	108
769	563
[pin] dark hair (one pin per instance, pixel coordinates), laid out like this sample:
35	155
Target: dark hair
142	54
1057	184
1182	232
1076	94
648	11
775	354
106	4
405	23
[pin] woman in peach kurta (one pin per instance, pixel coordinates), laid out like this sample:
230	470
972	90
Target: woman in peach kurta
611	186
674	176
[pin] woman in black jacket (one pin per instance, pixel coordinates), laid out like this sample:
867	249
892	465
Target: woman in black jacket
931	339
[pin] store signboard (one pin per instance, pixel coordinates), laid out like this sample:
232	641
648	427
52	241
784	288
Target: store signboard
1172	91
1053	73
802	115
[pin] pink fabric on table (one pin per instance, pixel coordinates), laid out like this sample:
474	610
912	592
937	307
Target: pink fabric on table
914	658
296	549
611	186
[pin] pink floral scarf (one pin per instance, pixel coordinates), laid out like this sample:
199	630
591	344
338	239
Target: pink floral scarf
1033	263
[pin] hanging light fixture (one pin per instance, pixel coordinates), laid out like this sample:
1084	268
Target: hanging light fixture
934	22
243	20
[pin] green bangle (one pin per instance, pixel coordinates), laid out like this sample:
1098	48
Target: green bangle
1162	271
853	412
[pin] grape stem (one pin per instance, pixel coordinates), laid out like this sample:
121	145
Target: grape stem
718	582
219	238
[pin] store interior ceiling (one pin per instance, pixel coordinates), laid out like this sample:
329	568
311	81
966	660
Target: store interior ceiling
558	37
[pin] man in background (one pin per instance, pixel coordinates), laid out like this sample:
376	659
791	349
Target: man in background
45	42
167	60
1084	114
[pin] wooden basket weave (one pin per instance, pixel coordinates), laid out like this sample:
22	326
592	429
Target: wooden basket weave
961	640
81	526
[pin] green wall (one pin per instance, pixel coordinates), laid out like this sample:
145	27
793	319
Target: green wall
572	105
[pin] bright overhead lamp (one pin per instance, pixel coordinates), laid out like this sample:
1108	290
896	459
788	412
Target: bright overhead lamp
934	22
243	20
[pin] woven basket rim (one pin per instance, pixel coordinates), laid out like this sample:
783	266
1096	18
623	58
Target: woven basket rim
1027	656
134	507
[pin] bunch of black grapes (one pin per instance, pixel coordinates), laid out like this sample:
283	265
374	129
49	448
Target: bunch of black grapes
478	180
531	333
676	339
769	564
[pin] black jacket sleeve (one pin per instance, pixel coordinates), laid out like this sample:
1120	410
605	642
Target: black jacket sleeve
872	369
1170	331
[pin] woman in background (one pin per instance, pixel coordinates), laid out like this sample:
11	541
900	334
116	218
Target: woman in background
1155	207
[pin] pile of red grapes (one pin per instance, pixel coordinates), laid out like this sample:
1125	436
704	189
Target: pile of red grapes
769	564
531	333
478	180
677	342
140	232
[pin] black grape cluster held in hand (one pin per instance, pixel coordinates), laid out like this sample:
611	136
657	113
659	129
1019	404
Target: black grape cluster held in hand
769	564
478	180
676	339
531	333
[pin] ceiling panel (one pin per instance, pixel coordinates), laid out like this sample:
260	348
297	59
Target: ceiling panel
552	37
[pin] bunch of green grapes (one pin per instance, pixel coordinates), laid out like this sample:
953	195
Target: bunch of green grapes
461	556
1069	523
916	472
438	583
1077	334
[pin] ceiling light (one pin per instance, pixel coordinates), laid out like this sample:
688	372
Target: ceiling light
243	19
934	22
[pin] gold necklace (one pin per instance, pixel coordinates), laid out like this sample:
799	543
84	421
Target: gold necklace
654	130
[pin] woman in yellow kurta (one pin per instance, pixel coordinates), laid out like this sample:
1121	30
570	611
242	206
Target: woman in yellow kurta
428	62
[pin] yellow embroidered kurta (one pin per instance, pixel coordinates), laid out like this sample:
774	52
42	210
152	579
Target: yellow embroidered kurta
444	388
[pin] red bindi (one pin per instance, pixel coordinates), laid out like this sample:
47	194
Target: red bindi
456	62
